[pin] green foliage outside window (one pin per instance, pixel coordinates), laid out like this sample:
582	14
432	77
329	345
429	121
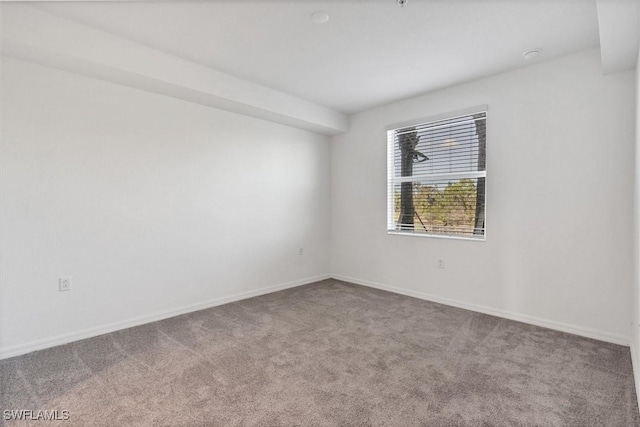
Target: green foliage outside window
440	209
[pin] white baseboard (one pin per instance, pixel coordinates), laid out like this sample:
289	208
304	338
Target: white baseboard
550	324
19	349
635	362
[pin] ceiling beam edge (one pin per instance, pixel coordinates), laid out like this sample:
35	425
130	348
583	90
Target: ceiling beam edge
34	35
619	31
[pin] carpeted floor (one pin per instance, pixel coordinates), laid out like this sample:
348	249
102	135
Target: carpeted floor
328	354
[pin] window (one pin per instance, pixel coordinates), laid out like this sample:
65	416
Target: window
437	177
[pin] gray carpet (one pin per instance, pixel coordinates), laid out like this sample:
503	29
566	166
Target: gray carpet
328	354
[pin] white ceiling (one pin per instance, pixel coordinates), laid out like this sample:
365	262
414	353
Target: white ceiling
369	53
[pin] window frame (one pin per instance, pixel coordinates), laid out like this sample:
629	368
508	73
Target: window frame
392	179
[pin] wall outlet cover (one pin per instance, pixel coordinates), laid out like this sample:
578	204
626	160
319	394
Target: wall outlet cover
64	284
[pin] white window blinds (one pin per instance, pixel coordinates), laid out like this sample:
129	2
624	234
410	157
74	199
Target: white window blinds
437	177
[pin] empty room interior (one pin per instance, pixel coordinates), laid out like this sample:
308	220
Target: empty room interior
320	213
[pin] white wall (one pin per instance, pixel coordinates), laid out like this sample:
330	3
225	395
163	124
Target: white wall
559	201
635	295
150	204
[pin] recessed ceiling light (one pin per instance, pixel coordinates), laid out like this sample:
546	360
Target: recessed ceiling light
531	54
320	17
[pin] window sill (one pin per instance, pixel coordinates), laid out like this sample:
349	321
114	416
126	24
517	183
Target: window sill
438	236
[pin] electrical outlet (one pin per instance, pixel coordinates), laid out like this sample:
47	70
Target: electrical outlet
301	251
64	284
440	263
